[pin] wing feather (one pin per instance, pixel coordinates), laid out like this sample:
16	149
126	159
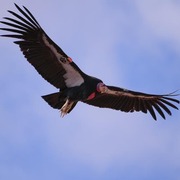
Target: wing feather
40	51
150	109
168	103
142	106
164	107
158	109
130	101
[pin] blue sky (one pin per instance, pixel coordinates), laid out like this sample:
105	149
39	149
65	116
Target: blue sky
131	44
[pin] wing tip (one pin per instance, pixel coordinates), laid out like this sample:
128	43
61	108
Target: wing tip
16	5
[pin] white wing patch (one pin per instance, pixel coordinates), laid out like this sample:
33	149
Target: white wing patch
72	77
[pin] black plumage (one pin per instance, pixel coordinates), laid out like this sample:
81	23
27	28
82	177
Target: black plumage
74	85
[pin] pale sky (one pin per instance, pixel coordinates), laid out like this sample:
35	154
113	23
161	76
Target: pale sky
134	45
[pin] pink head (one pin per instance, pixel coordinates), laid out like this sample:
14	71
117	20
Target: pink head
101	87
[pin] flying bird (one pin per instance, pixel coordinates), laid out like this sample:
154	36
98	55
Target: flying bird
55	66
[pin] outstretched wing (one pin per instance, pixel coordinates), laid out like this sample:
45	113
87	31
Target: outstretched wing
130	101
47	58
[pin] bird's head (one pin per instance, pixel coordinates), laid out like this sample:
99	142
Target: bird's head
101	87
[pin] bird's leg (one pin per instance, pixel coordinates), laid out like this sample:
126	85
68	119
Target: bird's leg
66	107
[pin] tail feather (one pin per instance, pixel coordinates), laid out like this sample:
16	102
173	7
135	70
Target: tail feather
54	100
57	100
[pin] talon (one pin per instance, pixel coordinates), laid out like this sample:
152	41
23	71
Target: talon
63	114
66	107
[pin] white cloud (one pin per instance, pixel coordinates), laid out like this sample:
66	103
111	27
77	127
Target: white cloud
162	19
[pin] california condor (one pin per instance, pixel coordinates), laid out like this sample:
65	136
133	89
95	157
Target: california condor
74	85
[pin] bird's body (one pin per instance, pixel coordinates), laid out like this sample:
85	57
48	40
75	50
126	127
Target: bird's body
70	96
73	84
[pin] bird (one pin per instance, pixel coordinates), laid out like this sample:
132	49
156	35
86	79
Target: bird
73	85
